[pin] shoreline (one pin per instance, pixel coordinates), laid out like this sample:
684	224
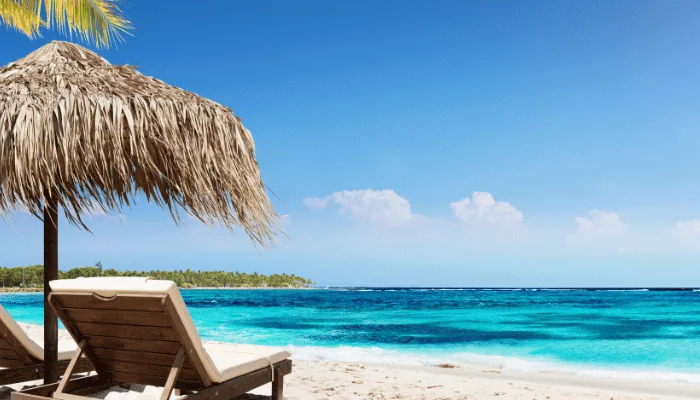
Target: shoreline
21	290
319	378
41	289
249	288
491	362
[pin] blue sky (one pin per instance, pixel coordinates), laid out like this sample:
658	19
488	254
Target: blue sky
575	124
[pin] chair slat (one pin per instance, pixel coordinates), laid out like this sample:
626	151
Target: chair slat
121	302
152	346
126	331
142	318
135	356
147	369
165	360
118	376
8	354
5	363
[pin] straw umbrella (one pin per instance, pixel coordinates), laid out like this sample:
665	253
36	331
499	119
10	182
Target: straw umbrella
77	133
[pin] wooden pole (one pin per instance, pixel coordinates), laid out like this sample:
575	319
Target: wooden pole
50	274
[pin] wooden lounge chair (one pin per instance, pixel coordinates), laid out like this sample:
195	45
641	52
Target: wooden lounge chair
22	359
138	331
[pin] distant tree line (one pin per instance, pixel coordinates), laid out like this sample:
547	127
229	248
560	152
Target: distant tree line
33	276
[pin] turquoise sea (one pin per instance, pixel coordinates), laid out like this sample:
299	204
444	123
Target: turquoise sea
642	333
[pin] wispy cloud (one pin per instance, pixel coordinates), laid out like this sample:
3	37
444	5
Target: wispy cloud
481	221
687	230
316	203
383	207
601	223
476	221
599	226
482	208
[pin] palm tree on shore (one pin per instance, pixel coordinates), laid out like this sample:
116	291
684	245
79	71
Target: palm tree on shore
98	22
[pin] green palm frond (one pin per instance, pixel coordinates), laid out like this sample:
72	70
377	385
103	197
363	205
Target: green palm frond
22	16
99	22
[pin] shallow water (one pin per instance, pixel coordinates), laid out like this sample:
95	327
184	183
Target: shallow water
585	331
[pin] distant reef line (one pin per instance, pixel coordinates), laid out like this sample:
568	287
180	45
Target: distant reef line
31	278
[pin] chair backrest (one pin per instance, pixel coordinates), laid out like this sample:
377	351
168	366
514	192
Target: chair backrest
132	335
16	348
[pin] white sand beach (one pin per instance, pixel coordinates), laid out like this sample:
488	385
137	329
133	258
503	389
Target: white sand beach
336	380
332	380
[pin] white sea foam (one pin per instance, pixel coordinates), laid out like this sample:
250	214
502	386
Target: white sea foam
339	289
357	354
522	365
384	356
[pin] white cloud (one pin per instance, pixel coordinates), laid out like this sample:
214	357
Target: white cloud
316	203
687	229
485	217
379	206
600	223
285	220
482	208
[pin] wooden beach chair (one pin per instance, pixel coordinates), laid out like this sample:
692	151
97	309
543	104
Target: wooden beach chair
22	359
138	331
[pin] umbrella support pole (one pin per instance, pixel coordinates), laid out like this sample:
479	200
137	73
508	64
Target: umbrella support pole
50	273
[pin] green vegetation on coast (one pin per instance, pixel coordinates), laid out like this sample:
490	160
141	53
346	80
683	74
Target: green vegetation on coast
32	277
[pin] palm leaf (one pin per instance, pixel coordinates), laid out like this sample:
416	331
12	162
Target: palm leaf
99	22
96	21
22	15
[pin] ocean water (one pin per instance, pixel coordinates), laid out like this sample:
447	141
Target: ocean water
643	334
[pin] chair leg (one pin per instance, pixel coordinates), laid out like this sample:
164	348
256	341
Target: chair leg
278	386
172	377
69	370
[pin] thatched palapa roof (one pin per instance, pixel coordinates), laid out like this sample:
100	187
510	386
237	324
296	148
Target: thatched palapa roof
94	134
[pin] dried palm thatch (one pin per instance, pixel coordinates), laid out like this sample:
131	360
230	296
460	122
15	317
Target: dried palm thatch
75	128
